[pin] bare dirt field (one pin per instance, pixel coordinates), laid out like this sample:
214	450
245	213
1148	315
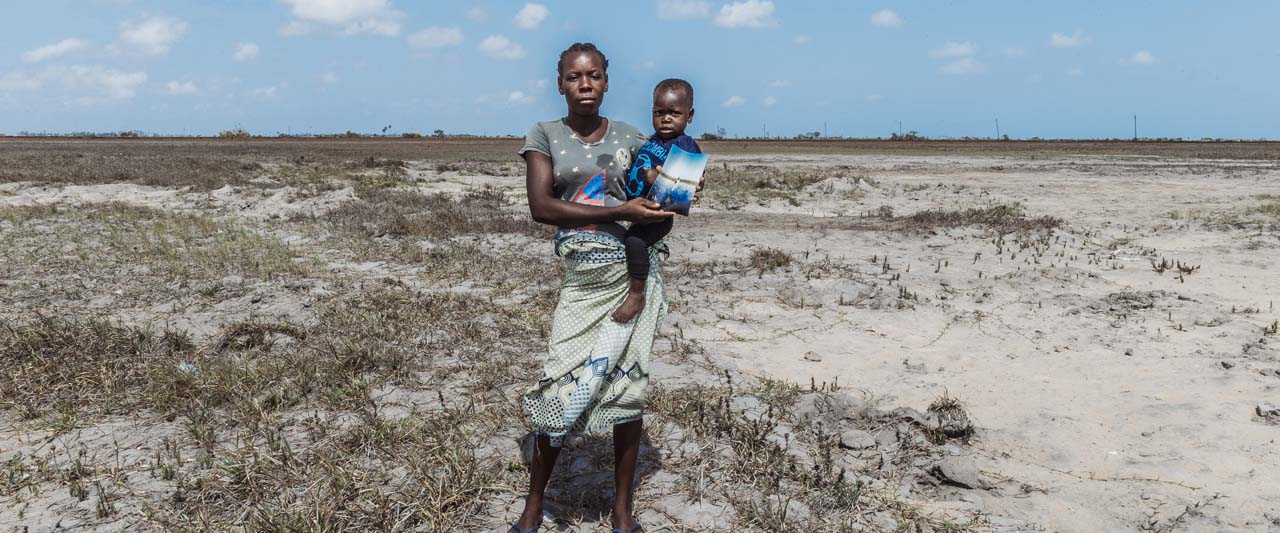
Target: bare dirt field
323	334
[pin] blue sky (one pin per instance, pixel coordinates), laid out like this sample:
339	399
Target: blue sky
946	69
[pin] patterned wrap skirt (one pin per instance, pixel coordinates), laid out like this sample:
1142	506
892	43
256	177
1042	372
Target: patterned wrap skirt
596	370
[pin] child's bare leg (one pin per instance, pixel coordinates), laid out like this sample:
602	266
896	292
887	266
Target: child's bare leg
634	303
637	251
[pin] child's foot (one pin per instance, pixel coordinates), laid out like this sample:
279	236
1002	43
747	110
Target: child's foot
629	308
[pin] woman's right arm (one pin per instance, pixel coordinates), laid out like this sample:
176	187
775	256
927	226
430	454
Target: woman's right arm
547	208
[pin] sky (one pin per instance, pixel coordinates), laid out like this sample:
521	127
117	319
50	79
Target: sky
1080	69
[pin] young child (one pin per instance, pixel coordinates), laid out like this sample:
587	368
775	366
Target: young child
672	113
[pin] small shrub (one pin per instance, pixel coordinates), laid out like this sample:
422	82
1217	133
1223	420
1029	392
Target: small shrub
767	259
953	420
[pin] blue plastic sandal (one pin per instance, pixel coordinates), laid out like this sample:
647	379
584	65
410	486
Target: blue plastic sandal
517	529
632	530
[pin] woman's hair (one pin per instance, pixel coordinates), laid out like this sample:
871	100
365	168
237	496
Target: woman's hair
580	47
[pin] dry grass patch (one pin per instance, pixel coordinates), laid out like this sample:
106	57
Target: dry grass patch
782	472
85	165
482	168
320	175
74	368
448	238
66	254
399	213
733	186
1005	218
283	430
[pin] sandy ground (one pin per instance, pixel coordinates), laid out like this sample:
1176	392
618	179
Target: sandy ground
1107	394
1093	413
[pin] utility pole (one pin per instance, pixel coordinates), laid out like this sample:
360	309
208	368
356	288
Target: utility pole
997	128
899	128
824	130
1135	127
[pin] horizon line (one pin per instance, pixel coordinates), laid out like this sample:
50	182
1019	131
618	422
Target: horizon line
242	135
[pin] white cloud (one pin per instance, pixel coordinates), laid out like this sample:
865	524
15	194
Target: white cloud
519	97
181	87
17	81
352	16
801	39
950	49
63	47
1075	72
436	37
886	18
245	51
296	28
500	47
683	9
961	55
153	35
477	14
329	78
874	97
964	65
265	92
747	14
734	101
102	82
768	101
1058	40
1015	52
780	83
1142	57
540	84
531	15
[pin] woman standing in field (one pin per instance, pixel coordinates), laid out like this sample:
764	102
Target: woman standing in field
597	370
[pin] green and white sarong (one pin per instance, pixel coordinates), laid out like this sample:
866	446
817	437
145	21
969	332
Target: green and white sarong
596	370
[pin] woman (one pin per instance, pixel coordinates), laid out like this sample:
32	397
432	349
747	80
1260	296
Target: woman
596	371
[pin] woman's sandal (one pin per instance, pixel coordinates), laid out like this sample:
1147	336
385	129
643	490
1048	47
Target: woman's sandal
632	530
532	529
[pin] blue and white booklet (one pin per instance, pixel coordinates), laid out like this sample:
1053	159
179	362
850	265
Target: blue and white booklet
675	186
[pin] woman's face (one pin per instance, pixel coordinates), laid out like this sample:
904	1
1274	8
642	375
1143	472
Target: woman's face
583	83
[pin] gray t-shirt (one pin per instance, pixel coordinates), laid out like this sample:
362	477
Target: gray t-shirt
587	173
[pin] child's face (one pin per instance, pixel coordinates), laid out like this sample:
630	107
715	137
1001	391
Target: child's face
672	112
583	83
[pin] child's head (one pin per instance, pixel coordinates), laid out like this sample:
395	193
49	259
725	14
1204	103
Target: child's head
672	107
